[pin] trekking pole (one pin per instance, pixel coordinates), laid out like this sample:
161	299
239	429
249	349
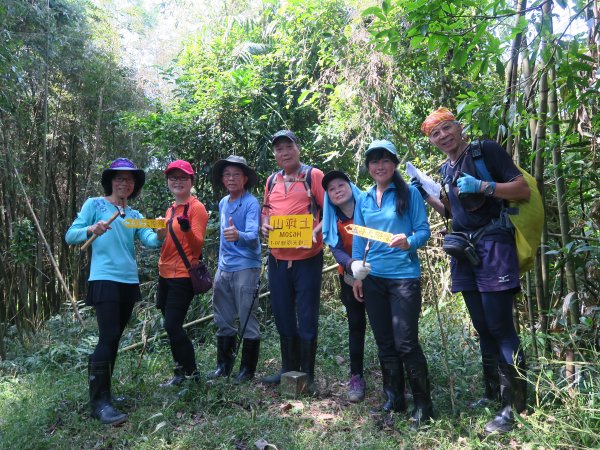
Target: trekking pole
241	335
443	336
367	248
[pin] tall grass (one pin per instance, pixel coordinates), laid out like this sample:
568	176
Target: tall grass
43	391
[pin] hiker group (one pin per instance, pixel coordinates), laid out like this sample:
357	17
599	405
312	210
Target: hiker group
379	280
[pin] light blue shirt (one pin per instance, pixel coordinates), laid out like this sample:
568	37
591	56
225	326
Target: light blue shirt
245	252
113	253
388	262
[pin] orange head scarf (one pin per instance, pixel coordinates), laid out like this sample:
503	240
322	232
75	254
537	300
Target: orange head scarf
435	118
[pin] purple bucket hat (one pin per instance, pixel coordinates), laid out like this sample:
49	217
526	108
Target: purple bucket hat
124	164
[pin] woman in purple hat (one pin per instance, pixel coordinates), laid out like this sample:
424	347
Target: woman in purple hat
186	220
113	285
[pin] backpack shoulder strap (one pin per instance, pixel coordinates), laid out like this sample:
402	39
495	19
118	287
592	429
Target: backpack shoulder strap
272	180
308	177
314	208
480	166
443	194
305	174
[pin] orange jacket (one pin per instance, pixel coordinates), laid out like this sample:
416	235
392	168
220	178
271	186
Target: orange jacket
170	264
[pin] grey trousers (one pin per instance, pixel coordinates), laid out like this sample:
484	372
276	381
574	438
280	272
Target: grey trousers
232	296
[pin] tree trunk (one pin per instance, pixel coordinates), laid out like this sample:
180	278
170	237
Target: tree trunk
511	82
563	210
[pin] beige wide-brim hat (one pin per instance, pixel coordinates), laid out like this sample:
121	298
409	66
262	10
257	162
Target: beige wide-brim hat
233	160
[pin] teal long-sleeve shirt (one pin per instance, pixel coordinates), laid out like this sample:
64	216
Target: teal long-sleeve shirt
113	253
388	262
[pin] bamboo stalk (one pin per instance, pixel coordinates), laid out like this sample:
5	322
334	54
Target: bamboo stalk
49	250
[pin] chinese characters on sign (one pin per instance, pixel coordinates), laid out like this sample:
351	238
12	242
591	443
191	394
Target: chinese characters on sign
370	233
291	231
144	223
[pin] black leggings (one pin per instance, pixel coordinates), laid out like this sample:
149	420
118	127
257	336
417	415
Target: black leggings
112	317
357	324
175	297
393	307
492	316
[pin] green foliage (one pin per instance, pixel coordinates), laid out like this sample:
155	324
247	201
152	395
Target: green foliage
339	73
23	243
277	71
61	93
43	392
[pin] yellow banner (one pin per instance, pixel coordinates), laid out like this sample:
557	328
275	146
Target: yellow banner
291	231
144	223
370	233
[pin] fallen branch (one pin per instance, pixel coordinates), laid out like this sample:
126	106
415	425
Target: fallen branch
199	321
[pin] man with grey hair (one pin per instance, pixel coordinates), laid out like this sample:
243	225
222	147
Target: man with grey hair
294	273
237	277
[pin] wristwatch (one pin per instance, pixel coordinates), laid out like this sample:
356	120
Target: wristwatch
489	189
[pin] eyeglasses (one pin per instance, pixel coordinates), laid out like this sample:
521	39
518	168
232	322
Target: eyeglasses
235	176
123	180
179	178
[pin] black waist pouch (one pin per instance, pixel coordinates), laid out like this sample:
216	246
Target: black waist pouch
460	246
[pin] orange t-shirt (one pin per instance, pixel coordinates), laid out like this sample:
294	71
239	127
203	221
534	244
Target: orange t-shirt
170	264
294	200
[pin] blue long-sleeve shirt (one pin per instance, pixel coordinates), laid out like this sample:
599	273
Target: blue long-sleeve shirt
113	253
388	262
245	252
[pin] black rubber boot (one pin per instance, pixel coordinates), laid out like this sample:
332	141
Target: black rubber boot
520	397
491	381
119	399
250	351
513	395
419	384
100	398
308	355
177	379
225	349
393	385
290	349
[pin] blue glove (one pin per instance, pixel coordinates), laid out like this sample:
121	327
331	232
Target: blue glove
468	184
417	183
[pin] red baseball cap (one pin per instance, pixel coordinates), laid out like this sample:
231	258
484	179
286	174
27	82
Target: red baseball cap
182	165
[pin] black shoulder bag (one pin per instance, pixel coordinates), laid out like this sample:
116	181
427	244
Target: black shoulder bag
199	274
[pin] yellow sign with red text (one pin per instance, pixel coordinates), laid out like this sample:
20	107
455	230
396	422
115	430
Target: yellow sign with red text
293	231
370	233
144	223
